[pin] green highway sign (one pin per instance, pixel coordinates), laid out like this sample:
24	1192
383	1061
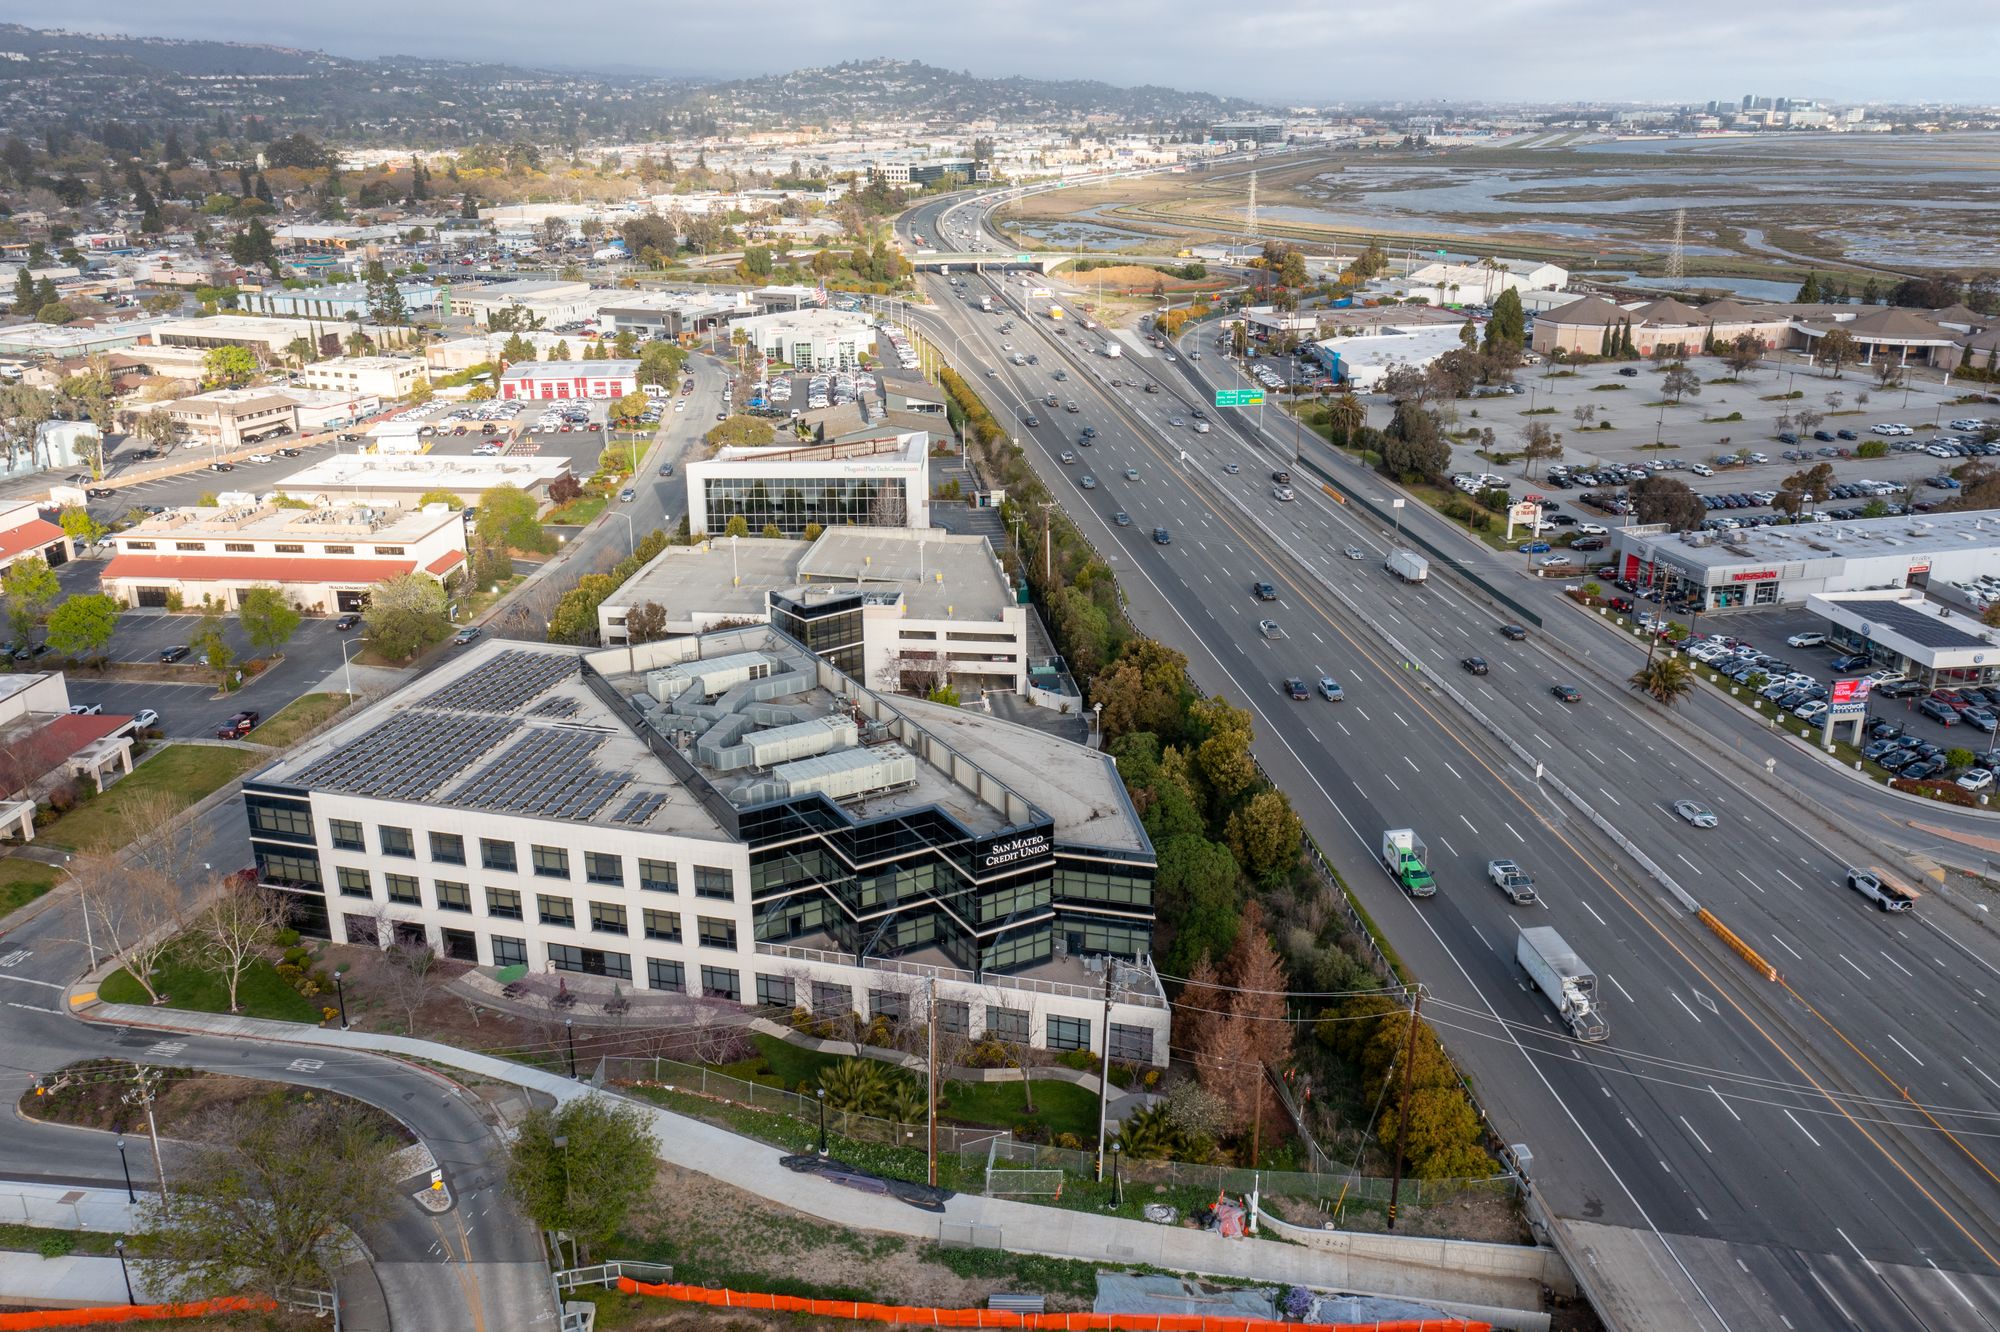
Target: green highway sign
1239	397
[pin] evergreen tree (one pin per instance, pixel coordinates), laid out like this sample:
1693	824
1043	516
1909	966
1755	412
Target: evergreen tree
1809	292
24	293
45	293
263	190
1509	323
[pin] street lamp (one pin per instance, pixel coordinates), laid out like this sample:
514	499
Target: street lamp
569	1034
123	1270
822	1120
631	543
126	1166
340	992
1117	1177
346	667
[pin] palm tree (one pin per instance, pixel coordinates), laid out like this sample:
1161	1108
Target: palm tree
858	1086
1668	679
1150	1135
1347	415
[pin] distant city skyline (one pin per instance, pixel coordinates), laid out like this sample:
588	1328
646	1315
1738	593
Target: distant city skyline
1277	51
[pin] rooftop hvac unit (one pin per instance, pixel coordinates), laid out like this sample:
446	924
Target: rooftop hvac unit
711	677
782	744
849	772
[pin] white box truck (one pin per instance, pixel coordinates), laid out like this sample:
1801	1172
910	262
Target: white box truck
1112	349
1404	857
1408	566
1560	974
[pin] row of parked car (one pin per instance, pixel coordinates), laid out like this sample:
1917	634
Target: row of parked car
1892	749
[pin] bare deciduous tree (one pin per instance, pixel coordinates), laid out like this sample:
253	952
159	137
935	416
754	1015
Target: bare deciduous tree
180	848
234	926
134	913
407	979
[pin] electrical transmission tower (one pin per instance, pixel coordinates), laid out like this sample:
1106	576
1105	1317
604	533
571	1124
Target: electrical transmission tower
1677	247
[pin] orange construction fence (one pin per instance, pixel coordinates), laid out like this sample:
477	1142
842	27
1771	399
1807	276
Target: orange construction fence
130	1313
1075	1322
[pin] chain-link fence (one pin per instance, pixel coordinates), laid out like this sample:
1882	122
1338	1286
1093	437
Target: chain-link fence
674	1075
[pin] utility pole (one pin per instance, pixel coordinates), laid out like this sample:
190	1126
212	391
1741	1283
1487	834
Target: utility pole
1403	1115
145	1081
930	1103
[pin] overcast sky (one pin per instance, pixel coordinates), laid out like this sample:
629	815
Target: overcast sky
1296	51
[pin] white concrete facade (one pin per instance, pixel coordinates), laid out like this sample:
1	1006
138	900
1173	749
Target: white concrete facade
377	376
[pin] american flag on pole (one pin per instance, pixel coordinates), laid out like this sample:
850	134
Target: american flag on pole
819	293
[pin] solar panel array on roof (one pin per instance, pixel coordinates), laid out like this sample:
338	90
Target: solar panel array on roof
547	774
408	757
640	807
505	682
1930	630
555	707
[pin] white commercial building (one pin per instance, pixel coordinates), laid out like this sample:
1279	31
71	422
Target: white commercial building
353	478
324	559
880	482
553	302
1786	564
812	339
24	532
1363	361
732	819
388	377
904	610
1902	630
1481	284
233	418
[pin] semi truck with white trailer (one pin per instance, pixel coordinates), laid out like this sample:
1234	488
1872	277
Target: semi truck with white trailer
1560	974
1408	566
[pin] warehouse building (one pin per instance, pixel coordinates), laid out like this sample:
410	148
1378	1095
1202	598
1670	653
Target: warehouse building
553	302
880	482
1363	361
904	610
335	302
402	480
733	818
1784	565
324	560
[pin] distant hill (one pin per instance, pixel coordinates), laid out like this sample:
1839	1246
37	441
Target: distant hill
884	89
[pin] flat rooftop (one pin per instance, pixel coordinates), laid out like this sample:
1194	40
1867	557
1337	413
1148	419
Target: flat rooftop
939	574
419	472
515	729
373	522
1921	534
718	576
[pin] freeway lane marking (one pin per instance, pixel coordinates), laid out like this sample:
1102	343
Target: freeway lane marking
1787	947
1857	1252
1593	757
1904	1048
1801	1128
1364	713
1454	771
1621	989
1752	882
1399	717
1315	738
1449	847
1789	879
1684	1007
1343	728
1954	1286
1476	930
1612	798
1697	1137
1593	911
1897	965
1413	766
1725	1104
1391	780
1980	1071
1512	829
1850	962
1468	823
1689	863
1628	757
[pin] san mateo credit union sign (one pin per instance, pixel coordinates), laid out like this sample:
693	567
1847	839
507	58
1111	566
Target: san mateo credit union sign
1019	849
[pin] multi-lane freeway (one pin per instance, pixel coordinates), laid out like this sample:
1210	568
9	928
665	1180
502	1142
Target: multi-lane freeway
1811	1152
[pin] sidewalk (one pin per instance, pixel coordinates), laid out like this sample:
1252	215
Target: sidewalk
62	1207
31	1281
1023	1227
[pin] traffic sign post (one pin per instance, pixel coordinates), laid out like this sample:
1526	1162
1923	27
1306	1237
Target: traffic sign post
1239	397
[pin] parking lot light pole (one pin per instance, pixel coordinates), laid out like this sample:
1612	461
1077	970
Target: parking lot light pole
346	667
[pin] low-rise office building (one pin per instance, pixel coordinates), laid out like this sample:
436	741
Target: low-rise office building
1363	361
543	380
552	301
812	339
879	482
324	559
1899	629
337	301
389	377
670	314
234	418
733	818
267	337
904	610
1786	564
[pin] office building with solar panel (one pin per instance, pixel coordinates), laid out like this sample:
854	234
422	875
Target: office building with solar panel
730	817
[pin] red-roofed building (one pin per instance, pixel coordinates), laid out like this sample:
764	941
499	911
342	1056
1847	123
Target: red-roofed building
24	532
325	559
42	744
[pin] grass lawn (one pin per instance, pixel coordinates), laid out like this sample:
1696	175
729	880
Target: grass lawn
577	512
189	983
292	722
54	1243
22	881
779	1064
1062	1107
185	772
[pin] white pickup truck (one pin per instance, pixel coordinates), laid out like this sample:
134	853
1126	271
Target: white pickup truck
1886	896
1512	880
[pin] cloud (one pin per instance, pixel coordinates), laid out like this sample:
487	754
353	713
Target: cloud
1280	51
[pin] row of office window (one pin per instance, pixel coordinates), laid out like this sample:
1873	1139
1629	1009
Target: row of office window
550	908
547	862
